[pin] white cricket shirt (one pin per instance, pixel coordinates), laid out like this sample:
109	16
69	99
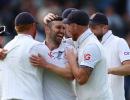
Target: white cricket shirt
55	87
117	51
91	54
20	80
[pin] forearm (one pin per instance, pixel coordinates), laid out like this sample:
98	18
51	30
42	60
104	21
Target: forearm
64	72
81	74
74	68
123	70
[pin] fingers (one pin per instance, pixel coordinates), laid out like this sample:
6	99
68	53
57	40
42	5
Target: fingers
39	55
5	51
3	54
2	57
34	60
49	17
69	51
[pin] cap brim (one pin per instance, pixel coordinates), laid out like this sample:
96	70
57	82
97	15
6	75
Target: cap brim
96	23
66	21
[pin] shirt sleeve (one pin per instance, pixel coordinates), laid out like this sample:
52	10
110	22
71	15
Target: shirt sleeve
124	50
91	56
36	49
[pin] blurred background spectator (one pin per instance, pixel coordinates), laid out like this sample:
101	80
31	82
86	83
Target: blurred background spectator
117	11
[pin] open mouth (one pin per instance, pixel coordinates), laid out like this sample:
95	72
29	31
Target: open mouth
59	36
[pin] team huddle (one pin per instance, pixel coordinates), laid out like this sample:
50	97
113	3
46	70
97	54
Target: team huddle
80	59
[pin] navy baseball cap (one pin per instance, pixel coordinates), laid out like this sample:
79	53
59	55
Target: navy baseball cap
77	16
98	18
67	11
24	18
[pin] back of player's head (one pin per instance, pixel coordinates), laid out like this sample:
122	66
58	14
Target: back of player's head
78	17
24	21
98	18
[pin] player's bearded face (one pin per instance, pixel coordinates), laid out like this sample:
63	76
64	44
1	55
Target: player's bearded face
72	28
57	32
67	33
99	31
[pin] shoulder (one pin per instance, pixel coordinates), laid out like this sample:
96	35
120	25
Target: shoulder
68	41
93	48
120	41
67	44
38	45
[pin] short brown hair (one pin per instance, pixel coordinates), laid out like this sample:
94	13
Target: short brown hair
23	28
58	18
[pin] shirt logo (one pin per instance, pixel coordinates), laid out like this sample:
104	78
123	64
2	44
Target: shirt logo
87	56
59	56
50	54
126	53
56	55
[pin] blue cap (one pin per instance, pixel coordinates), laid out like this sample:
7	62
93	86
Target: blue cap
99	18
67	11
78	17
24	18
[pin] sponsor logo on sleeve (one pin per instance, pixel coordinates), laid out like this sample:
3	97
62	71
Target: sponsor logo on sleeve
126	53
87	56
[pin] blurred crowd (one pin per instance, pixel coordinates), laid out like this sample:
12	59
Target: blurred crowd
117	11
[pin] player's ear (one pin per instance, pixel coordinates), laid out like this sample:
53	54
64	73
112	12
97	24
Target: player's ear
105	27
47	29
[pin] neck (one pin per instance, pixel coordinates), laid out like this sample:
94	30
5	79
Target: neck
27	33
82	30
100	37
51	44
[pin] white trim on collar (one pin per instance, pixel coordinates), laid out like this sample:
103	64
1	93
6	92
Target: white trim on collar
83	36
21	35
60	48
106	36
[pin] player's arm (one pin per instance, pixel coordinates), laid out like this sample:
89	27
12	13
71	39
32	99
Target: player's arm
83	70
3	53
122	70
124	56
39	61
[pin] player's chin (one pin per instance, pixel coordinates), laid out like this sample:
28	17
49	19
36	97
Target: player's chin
59	39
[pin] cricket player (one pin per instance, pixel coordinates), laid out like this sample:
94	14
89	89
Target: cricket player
20	80
118	54
67	36
89	68
57	79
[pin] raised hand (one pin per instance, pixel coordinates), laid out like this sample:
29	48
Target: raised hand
49	17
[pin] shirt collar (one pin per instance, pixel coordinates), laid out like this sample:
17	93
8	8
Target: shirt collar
106	36
85	35
61	47
23	35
